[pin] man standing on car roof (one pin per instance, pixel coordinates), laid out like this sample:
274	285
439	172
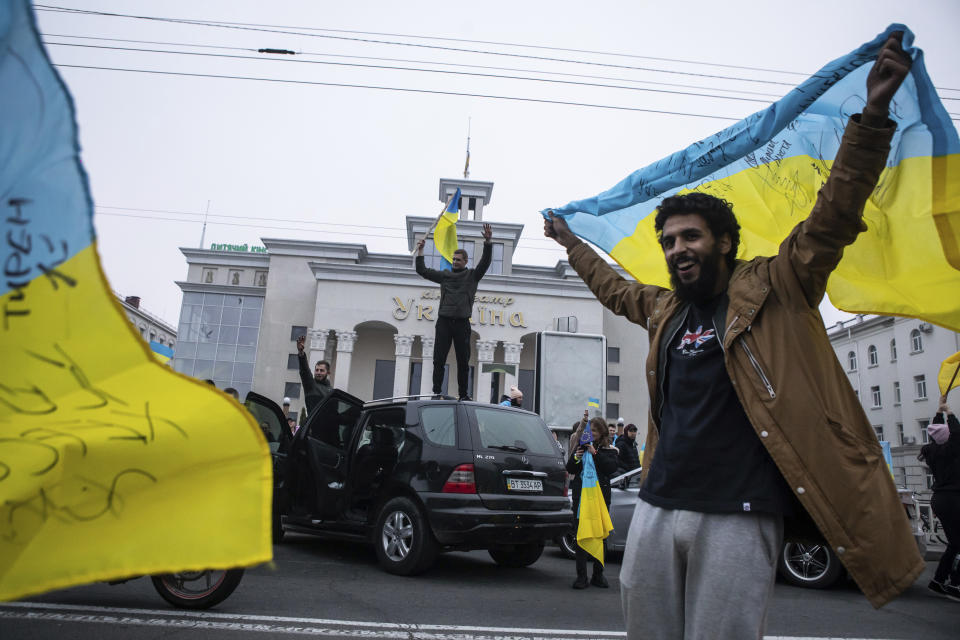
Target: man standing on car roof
752	418
316	387
458	288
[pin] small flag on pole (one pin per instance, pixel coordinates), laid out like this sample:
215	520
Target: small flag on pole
445	233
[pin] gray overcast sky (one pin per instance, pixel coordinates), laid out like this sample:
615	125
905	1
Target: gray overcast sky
283	153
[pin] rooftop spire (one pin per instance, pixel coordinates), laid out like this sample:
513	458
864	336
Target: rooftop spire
466	166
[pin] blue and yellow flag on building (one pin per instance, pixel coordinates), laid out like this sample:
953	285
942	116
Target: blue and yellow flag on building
445	233
111	464
771	165
594	518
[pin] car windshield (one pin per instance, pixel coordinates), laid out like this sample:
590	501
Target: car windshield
514	431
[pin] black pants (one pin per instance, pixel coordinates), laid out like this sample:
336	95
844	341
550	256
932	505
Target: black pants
946	506
456	330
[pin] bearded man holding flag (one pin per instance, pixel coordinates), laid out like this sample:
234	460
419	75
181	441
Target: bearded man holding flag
754	428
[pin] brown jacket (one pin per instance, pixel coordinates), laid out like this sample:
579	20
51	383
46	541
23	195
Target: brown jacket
792	387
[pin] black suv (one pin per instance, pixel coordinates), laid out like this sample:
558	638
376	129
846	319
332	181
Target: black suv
418	475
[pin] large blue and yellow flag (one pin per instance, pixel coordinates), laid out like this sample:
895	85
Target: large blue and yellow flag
771	165
445	233
111	464
594	518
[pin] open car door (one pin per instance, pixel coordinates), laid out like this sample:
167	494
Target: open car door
317	464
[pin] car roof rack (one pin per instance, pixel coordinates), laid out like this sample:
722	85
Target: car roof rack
421	396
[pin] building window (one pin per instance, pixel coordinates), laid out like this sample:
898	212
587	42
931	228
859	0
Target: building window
900	437
293	362
209	275
893	351
296	331
613	383
920	387
291	390
875	395
143	332
916	341
153	336
260	278
613	354
896	393
872	358
852	361
433	260
496	261
924	436
878	428
234	277
613	411
856	392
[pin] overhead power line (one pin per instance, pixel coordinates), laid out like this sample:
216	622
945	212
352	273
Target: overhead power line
401	89
298	229
426	62
416	69
223	25
290	31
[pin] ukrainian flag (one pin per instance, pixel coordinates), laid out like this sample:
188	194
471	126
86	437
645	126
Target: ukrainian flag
593	402
594	518
947	375
771	166
445	233
111	464
161	352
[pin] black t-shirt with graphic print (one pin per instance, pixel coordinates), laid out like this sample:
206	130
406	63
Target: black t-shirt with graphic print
708	458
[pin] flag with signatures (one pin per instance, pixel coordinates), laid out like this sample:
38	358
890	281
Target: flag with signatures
771	165
111	465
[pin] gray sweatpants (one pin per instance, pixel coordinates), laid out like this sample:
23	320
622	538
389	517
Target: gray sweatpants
697	575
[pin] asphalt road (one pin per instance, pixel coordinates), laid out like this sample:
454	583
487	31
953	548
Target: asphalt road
336	589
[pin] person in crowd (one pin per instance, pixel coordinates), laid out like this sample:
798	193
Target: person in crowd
514	398
211	383
740	363
620	425
233	392
316	387
612	432
458	288
629	455
942	456
605	461
293	426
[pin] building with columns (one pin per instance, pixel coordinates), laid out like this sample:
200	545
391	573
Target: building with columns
372	317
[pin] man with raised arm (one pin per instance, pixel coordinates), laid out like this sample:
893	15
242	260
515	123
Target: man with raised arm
753	423
458	288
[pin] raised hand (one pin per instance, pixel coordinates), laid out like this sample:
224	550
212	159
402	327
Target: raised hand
487	232
556	227
300	343
886	76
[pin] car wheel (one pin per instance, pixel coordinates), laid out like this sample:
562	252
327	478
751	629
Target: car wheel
404	543
814	566
568	545
520	555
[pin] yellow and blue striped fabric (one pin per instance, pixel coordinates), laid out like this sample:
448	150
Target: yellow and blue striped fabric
771	165
445	233
111	464
594	518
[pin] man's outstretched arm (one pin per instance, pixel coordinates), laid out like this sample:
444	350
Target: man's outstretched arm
625	298
484	263
814	248
306	376
430	274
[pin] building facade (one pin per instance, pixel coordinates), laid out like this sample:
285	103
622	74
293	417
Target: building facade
372	317
892	364
151	328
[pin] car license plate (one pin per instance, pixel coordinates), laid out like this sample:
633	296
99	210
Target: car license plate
522	484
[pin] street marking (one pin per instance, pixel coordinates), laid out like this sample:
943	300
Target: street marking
300	626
